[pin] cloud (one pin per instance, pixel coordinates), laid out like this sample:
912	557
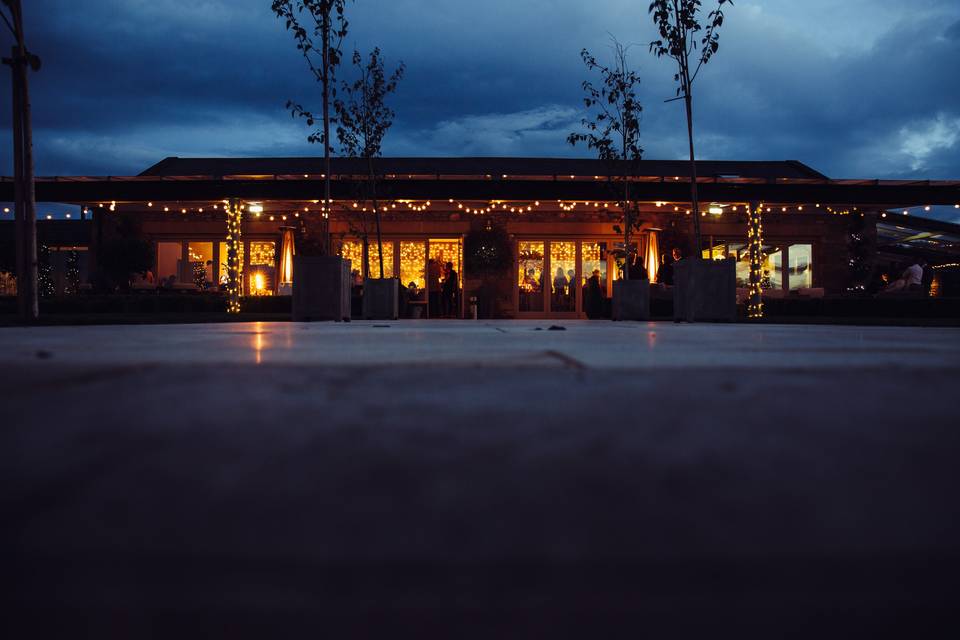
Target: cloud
922	140
856	88
521	133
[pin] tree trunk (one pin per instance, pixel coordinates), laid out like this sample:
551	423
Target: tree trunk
324	221
24	195
627	223
695	200
376	210
688	103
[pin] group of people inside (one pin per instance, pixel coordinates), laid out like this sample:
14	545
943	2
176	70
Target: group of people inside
913	279
442	292
564	291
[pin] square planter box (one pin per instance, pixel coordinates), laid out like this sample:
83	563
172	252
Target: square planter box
321	288
705	290
631	300
381	299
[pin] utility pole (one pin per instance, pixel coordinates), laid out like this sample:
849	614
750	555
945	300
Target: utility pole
25	215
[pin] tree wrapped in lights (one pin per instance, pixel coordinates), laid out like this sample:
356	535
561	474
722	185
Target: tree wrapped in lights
45	285
234	211
678	23
755	249
860	250
73	272
614	131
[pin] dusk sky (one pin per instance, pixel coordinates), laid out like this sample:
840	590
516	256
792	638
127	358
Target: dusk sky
858	88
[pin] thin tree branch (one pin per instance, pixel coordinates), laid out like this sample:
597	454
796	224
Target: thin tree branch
9	26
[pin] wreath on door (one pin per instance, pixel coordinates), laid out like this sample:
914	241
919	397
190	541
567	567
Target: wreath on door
487	250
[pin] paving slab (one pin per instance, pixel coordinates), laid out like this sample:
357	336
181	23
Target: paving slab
480	479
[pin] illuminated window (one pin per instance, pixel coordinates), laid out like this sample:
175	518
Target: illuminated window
594	258
200	255
352	250
563	281
387	259
800	261
222	267
413	259
444	251
530	276
168	260
771	266
263	254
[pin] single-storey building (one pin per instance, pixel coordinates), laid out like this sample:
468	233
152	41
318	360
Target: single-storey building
558	217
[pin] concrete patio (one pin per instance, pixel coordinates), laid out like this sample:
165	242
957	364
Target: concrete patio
481	479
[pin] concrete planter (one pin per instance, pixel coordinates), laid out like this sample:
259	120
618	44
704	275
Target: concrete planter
381	298
705	290
631	300
321	288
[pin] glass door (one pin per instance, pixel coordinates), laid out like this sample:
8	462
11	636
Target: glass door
530	266
563	281
446	259
549	278
594	283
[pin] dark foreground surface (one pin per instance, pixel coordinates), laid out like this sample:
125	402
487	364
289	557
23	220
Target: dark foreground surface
478	481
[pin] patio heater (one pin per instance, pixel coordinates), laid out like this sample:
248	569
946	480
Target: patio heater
287	251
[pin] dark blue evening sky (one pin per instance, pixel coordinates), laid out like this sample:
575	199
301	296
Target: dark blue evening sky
855	88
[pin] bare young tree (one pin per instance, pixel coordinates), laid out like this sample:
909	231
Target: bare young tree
679	25
613	131
363	119
21	61
318	27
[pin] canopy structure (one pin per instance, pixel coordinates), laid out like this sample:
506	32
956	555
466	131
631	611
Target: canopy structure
197	180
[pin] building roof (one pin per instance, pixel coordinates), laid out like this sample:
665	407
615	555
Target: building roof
175	166
486	179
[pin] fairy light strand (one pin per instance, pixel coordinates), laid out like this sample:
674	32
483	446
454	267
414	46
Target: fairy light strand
234	267
755	245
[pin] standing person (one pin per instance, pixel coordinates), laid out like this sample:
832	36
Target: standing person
913	276
433	286
559	286
593	296
637	270
665	274
451	287
572	288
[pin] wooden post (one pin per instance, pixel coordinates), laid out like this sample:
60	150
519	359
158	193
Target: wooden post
24	195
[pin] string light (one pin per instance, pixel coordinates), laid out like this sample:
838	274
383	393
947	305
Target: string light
755	249
234	264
